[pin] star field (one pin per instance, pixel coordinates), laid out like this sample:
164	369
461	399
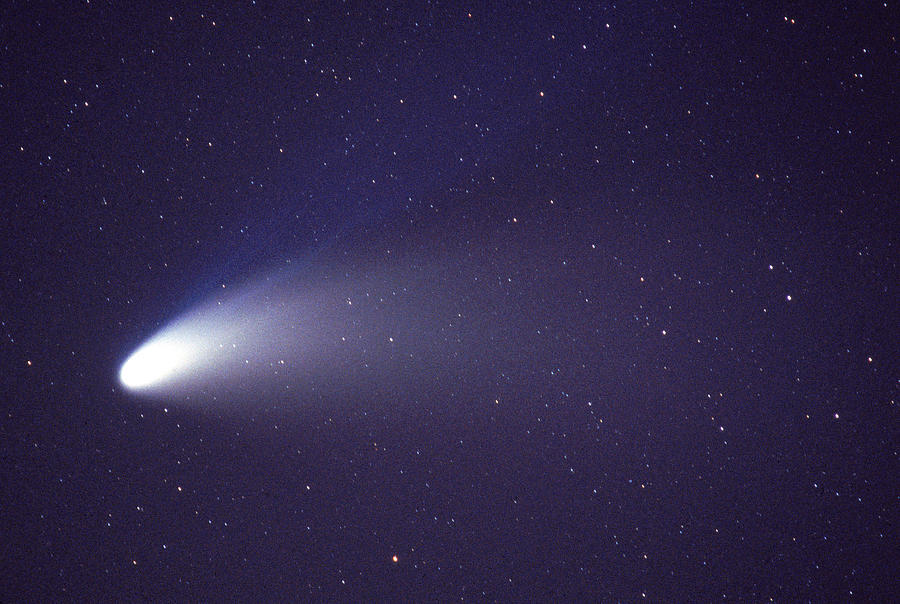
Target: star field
536	302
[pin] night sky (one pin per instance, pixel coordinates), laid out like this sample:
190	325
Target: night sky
541	301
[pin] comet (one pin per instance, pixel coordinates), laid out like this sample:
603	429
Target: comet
158	362
279	333
340	330
184	351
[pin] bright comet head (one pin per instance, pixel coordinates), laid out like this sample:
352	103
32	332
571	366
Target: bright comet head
156	362
208	343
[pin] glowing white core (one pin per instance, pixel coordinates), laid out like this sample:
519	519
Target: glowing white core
215	344
156	362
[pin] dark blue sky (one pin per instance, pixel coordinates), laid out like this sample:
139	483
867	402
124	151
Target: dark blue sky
623	283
